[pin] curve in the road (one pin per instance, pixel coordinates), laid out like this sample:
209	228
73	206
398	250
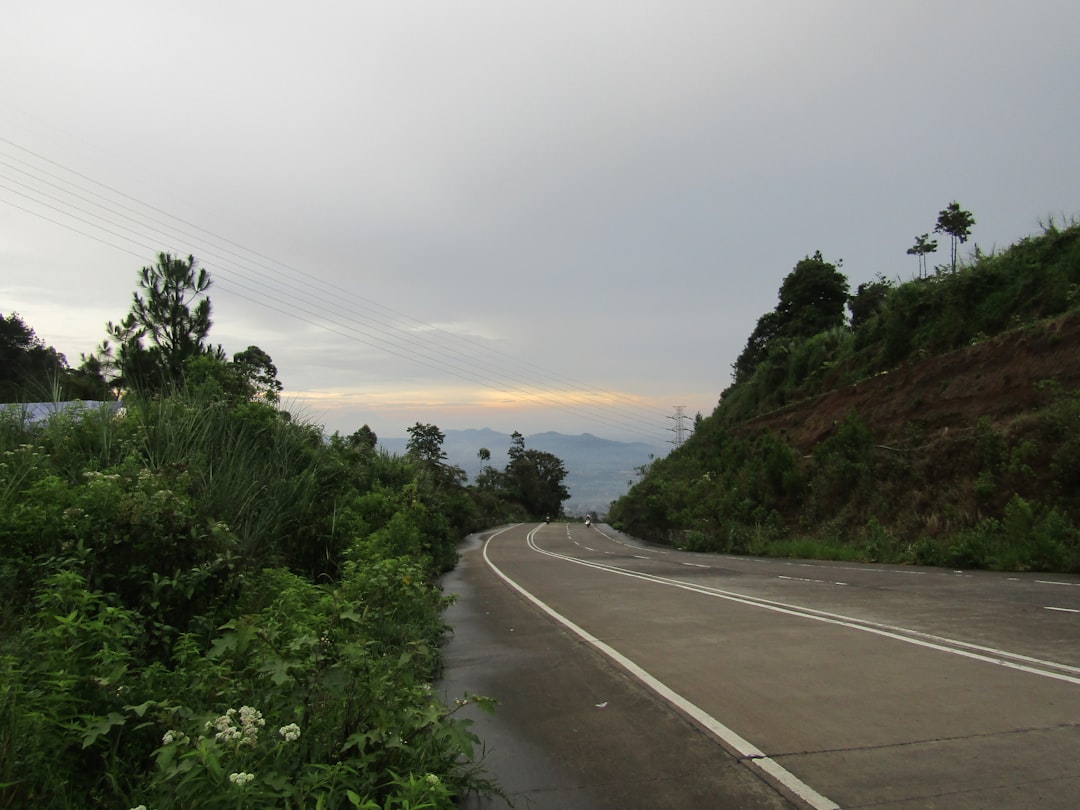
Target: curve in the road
786	780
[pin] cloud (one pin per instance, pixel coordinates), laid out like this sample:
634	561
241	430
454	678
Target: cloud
434	198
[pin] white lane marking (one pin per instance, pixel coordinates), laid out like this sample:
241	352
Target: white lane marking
1053	582
805	579
733	741
1063	610
697	565
867	569
977	652
641	557
607	536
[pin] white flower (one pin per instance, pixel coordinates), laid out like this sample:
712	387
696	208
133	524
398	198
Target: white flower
290	732
432	779
251	720
241	779
172	736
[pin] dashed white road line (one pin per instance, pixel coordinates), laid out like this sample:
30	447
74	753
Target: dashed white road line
978	652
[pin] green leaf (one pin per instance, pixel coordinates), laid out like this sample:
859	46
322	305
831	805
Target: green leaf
278	670
141	709
100	727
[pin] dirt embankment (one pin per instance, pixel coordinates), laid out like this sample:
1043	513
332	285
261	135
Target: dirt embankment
998	378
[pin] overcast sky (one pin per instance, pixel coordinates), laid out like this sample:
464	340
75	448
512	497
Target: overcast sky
519	215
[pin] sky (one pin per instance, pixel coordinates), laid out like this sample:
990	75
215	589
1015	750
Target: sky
524	216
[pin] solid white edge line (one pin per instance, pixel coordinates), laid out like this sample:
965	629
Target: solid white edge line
733	741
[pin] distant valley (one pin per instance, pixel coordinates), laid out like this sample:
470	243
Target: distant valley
598	470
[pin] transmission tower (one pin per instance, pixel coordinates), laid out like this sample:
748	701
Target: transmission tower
680	429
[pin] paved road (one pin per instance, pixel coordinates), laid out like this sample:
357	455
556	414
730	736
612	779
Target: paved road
731	682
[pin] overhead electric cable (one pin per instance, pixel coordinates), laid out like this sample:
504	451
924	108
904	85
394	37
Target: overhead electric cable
576	392
378	332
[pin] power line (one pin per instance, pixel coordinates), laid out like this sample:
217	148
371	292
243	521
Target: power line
541	372
578	393
446	364
454	354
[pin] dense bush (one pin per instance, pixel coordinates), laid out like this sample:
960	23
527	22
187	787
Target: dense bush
206	604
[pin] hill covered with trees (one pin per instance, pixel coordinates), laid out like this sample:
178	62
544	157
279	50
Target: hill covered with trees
935	421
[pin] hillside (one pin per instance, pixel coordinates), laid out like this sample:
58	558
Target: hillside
940	426
997	379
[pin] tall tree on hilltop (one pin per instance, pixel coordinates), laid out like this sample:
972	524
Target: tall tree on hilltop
957	223
923	245
174	317
812	298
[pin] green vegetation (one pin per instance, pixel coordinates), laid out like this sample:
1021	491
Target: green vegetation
937	426
205	602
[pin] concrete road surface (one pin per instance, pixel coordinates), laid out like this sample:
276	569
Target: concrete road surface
633	676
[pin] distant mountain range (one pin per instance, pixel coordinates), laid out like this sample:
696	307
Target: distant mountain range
598	470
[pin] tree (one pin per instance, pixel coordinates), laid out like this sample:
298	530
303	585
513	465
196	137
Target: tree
32	370
921	247
957	224
757	347
258	371
174	316
534	479
812	300
425	444
29	369
363	440
868	301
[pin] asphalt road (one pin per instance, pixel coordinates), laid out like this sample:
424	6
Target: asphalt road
632	676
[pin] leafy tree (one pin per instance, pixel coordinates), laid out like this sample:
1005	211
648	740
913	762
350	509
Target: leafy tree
250	377
425	444
174	317
256	368
31	370
28	367
868	301
923	245
757	347
957	223
812	300
363	440
534	479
